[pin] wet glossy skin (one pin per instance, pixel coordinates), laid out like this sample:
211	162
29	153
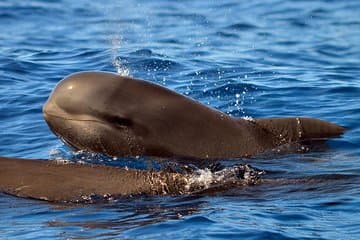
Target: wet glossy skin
62	181
68	182
120	116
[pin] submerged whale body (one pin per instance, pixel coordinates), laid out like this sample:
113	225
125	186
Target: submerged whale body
121	116
59	181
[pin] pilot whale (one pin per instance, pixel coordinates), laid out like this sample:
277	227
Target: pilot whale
121	116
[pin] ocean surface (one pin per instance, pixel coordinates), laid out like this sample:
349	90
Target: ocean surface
263	58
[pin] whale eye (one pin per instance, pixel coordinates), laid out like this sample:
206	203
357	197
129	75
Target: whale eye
116	120
110	118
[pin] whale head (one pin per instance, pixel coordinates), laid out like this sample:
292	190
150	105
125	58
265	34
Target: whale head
81	112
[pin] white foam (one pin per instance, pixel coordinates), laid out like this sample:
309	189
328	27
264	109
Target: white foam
200	178
248	118
116	42
120	68
205	178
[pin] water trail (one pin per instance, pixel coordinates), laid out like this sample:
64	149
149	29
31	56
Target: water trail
115	39
121	69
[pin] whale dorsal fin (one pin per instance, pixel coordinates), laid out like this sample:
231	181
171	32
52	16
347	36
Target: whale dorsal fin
294	129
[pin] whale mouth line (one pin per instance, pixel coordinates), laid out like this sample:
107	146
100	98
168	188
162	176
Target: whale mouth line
71	119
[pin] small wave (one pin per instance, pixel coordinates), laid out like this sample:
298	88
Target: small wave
61	152
143	52
195	17
226	34
5	16
297	22
157	64
144	65
242	26
353	91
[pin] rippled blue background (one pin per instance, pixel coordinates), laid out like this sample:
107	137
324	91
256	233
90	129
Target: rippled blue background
247	58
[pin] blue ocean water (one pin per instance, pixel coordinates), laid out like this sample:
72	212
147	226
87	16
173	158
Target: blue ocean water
258	58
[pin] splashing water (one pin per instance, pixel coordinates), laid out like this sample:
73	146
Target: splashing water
205	178
116	61
196	182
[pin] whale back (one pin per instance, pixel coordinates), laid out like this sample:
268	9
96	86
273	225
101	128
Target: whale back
62	181
294	129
